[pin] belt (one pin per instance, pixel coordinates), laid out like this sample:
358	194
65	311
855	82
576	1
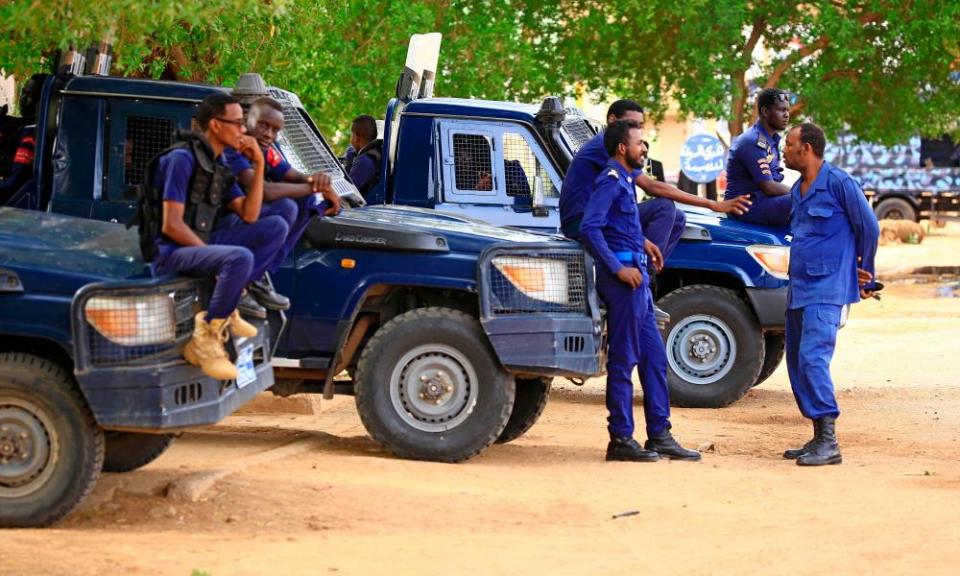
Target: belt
627	257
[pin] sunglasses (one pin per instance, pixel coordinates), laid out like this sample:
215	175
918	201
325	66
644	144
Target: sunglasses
239	122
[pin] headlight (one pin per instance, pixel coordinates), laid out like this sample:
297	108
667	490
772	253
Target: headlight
774	259
538	278
134	320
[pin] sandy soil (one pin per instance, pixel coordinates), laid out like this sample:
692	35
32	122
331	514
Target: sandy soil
312	494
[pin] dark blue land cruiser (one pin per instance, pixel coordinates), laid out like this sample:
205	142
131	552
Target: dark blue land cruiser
724	286
450	328
91	374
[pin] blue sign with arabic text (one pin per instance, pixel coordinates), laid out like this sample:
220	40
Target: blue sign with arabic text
702	158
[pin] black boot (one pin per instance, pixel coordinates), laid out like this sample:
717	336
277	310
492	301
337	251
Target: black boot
665	445
825	449
794	453
249	307
626	449
262	290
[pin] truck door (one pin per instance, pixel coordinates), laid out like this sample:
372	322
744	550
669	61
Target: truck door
138	131
491	170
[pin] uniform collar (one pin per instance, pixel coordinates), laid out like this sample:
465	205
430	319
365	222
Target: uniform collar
629	175
759	128
820	183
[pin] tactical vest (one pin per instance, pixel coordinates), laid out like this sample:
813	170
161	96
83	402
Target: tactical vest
206	194
375	151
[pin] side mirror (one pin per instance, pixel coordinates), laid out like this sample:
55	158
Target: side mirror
539	210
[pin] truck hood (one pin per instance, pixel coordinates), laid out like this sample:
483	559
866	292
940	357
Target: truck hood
462	234
733	231
59	254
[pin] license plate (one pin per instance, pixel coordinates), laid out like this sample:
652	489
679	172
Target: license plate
245	367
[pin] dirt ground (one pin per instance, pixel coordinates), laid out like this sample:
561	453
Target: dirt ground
294	494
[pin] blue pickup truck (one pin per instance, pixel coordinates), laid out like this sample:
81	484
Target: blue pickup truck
91	374
724	286
451	329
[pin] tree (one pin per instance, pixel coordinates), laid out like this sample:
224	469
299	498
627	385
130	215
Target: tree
884	70
341	58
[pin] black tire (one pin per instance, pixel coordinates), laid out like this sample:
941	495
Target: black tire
532	396
895	209
714	344
774	346
53	445
448	353
127	451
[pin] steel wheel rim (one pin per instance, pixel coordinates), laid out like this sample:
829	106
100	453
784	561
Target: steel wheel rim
701	349
29	448
433	388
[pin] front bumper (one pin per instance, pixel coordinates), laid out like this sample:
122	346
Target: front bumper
154	389
770	306
535	337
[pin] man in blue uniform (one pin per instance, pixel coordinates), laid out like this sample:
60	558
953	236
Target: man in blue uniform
753	164
662	222
286	193
832	253
18	185
197	189
364	154
611	232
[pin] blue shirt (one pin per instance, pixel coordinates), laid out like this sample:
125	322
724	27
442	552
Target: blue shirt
275	167
173	173
363	169
611	221
754	157
832	227
589	162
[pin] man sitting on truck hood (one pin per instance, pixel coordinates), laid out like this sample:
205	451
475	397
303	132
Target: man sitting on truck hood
197	189
287	192
753	165
662	223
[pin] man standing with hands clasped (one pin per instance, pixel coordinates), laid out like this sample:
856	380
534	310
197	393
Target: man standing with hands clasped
612	233
832	254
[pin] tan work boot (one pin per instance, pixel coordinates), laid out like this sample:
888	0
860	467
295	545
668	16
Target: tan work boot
240	328
206	350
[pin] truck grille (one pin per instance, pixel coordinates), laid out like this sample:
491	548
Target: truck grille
154	326
577	132
535	281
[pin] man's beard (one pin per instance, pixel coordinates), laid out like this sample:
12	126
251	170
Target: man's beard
635	164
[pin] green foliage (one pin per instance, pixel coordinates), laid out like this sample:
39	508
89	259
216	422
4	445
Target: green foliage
880	68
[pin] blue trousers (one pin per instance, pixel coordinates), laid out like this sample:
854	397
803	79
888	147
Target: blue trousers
234	257
634	342
662	223
769	210
811	339
296	213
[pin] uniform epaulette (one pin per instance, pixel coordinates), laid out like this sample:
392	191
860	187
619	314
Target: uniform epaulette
762	141
613	173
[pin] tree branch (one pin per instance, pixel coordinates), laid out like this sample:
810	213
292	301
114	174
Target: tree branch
739	78
792	59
